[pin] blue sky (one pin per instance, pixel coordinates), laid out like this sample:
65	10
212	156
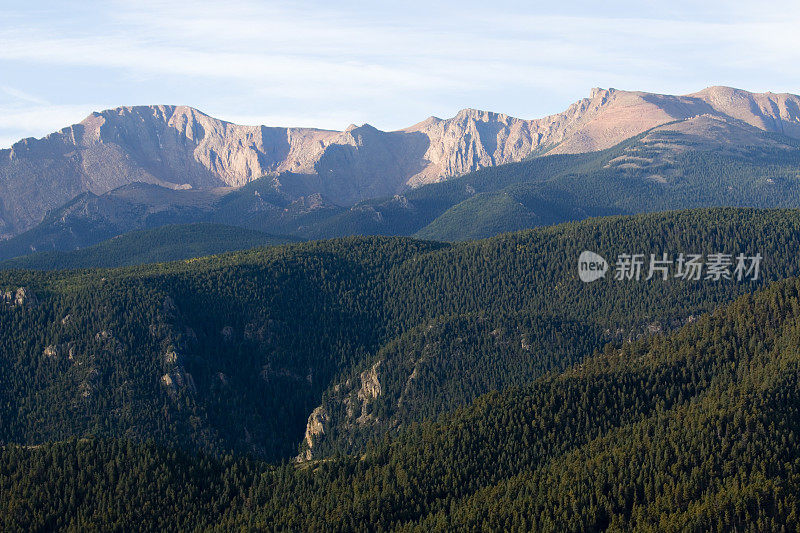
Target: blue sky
329	64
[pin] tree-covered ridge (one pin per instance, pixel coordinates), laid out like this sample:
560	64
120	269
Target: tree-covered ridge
217	354
232	353
699	427
481	285
695	430
165	243
765	178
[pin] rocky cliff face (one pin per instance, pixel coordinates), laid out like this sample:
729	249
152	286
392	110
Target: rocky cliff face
180	147
348	407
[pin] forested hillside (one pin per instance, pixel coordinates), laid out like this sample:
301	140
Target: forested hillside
659	170
696	430
220	354
502	311
233	353
166	243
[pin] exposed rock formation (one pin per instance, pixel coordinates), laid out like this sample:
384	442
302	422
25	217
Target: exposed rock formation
180	147
22	297
67	350
314	429
349	406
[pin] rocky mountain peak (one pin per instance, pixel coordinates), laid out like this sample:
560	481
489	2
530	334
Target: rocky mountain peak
179	146
478	115
598	92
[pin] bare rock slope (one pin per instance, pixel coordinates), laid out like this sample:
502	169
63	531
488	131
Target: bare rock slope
180	147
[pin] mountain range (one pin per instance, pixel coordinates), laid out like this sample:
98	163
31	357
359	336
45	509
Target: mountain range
393	334
193	162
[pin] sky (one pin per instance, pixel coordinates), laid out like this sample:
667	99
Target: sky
389	64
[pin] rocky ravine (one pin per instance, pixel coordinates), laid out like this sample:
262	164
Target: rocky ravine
180	147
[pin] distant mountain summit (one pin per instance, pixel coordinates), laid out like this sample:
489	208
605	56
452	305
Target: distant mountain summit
180	147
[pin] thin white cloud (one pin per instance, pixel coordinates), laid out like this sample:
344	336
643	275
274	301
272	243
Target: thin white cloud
279	48
300	63
23	96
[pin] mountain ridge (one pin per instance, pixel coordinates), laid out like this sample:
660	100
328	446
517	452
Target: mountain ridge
182	147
